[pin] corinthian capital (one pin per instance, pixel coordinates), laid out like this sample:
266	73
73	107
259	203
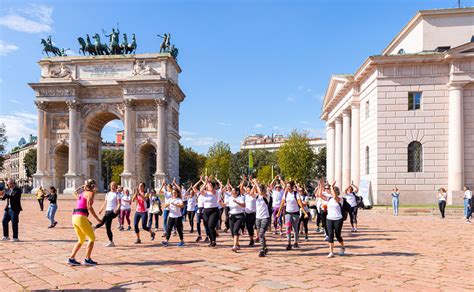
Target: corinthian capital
129	103
72	104
162	101
41	105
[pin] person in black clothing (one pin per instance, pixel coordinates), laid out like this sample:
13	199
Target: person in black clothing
12	210
53	206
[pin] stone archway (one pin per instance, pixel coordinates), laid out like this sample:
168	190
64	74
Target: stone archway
75	108
60	157
146	166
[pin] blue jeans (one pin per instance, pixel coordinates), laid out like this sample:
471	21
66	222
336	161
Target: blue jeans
466	203
14	217
166	213
395	206
51	212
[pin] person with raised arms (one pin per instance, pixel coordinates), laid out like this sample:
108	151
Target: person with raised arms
175	219
351	197
210	209
141	212
250	209
277	194
263	202
236	205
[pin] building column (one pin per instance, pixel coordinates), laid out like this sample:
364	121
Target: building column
161	172
346	150
330	152
355	143
455	140
41	177
73	177
128	155
338	153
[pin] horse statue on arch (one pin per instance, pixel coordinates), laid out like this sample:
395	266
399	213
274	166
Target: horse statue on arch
48	47
100	49
127	48
86	46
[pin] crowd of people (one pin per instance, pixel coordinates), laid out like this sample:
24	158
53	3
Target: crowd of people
249	209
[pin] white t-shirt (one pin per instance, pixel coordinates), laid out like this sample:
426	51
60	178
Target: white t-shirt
292	202
235	208
210	200
191	203
250	204
262	208
184	195
219	197
305	199
111	199
334	210
227	197
125	201
167	196
351	199
468	194
276	198
442	196
175	212
200	202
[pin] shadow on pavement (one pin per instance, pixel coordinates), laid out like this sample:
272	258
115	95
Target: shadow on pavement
152	263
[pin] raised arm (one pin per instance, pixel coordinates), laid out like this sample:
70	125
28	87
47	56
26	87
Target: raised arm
176	185
355	188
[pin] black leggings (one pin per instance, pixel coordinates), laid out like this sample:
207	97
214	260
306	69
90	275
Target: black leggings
109	216
136	220
235	223
250	223
305	223
324	214
191	215
319	218
211	217
174	222
226	214
219	223
353	215
442	207
334	227
41	203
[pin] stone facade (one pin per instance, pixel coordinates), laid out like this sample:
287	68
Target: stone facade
141	90
381	124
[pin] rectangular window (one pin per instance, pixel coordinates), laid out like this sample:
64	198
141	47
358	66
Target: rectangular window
367	112
414	101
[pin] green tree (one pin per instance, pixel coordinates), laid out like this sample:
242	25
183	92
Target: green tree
264	174
116	172
191	164
110	158
218	160
319	170
296	158
261	158
30	162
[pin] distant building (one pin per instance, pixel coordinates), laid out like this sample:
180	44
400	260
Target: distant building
13	166
119	136
273	143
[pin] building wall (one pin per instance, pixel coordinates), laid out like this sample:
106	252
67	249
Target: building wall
413	42
469	135
398	126
447	31
368	131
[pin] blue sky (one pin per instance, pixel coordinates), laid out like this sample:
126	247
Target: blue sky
248	66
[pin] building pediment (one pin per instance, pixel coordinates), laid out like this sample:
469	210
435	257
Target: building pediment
336	84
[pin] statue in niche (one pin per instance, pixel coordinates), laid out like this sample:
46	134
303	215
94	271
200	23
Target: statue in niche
141	68
61	123
62	72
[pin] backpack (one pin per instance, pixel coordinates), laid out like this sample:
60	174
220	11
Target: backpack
269	205
359	201
345	209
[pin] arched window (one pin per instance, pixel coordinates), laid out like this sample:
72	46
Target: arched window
367	160
415	157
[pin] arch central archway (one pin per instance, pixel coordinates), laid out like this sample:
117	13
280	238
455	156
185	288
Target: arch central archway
60	158
146	166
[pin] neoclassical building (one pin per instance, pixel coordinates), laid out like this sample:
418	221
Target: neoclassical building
406	117
77	96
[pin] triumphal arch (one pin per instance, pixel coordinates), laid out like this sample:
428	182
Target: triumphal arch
77	96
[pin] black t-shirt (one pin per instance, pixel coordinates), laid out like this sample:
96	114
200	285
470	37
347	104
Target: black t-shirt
52	198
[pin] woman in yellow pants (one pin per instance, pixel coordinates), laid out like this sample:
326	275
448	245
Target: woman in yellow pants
82	226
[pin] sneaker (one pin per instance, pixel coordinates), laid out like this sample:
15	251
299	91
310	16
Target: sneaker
5	238
50	226
330	255
342	251
238	247
252	243
89	262
198	239
318	230
73	262
306	238
121	228
110	244
296	245
355	229
213	244
138	241
55	223
352	229
261	254
14	240
326	238
234	249
180	244
129	228
164	243
288	247
206	240
152	236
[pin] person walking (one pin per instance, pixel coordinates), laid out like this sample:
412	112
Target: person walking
81	224
236	205
395	200
112	210
141	213
12	210
155	210
175	219
304	220
442	196
351	197
125	209
470	209
334	220
467	198
263	211
211	210
53	206
40	194
191	208
250	210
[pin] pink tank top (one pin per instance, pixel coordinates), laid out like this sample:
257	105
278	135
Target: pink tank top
140	204
81	206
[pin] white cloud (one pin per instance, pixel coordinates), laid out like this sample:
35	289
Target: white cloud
19	125
315	133
6	48
291	98
224	124
258	126
34	18
193	139
115	124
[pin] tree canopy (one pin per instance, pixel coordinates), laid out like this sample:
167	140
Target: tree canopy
30	162
218	160
296	158
191	164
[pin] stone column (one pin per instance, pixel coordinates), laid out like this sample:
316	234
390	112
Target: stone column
455	141
330	152
355	143
161	153
41	177
73	177
338	153
346	150
128	162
